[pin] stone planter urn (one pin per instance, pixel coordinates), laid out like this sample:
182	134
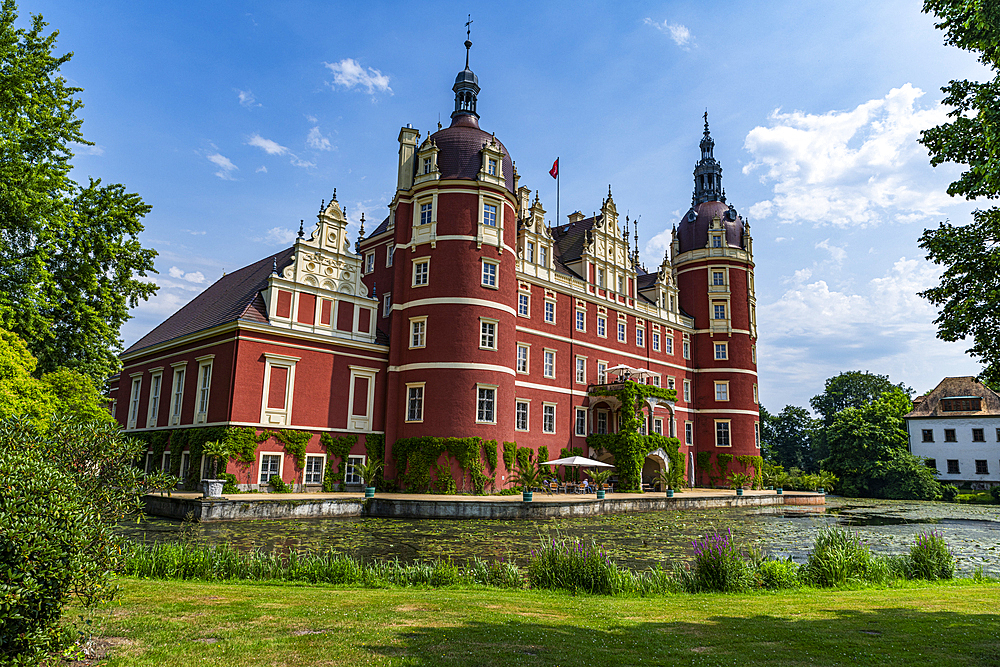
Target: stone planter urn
212	488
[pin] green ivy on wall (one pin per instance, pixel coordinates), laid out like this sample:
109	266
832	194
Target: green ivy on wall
722	461
490	446
414	458
295	443
702	461
757	464
543	455
337	449
509	452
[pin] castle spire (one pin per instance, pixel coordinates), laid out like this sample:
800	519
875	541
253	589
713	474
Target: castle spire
708	172
466	88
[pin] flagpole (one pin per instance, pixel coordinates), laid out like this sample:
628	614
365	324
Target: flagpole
558	175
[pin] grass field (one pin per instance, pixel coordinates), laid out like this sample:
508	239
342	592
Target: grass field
231	625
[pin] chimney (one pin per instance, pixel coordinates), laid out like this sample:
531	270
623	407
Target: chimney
407	150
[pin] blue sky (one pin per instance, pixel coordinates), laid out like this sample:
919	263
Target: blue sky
234	120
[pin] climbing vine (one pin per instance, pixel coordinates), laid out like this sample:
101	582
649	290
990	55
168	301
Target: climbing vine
509	452
295	443
722	461
414	458
757	463
375	451
337	449
490	446
702	460
627	446
543	455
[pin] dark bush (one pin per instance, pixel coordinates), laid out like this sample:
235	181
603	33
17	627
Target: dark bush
44	526
930	557
949	492
995	492
776	574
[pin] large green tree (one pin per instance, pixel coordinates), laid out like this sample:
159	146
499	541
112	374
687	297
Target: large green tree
71	264
788	438
968	296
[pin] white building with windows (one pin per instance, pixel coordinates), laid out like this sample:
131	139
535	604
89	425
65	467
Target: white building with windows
956	428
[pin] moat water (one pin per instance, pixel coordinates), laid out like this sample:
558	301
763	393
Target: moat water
638	540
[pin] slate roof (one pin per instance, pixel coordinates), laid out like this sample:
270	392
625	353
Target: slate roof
383	226
459	147
930	405
235	296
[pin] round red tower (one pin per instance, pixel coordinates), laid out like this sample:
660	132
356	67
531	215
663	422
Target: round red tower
712	254
454	286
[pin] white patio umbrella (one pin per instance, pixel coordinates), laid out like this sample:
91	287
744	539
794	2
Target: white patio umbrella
629	371
576	462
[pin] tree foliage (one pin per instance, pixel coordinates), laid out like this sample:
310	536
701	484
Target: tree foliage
70	262
787	437
969	293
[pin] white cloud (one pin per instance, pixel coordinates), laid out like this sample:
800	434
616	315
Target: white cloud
317	141
247	99
299	162
261	168
679	33
837	254
269	147
350	74
279	236
225	166
857	167
195	232
85	149
196	277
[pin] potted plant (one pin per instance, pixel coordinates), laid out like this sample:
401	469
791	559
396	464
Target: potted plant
600	478
369	471
527	477
215	450
739	480
665	478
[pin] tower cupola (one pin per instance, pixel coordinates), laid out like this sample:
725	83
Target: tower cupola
707	173
466	87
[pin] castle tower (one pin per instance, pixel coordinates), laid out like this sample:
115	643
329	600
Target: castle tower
712	254
453	284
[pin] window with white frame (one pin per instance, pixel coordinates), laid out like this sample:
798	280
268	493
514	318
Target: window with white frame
491	167
529	251
521	416
150	462
621	332
753	353
204	388
523	305
716	240
688	433
581	370
389	252
133	403
185	466
687	391
602	372
543	256
177	393
581	320
671	382
581	422
270	466
486	399
686	349
489	215
756	434
153	409
600	278
487	334
550	312
721	351
426	213
602	421
522	358
640	337
621	284
369	262
719	311
489	273
314	469
549	363
418	332
427	165
352	474
673	427
722	434
755	393
718	278
548	418
655	380
722	390
421	272
658	426
415	402
279	383
386	304
668	344
602	327
656	341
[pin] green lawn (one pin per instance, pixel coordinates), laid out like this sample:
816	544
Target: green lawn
230	625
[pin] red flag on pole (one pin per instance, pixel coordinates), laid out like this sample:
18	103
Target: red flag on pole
554	171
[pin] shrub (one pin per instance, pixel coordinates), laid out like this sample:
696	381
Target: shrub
44	530
776	574
279	485
949	492
840	558
995	492
930	557
719	566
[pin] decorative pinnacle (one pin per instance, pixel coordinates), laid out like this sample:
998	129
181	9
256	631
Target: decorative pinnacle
609	191
274	265
322	205
334	195
301	232
468	38
706	121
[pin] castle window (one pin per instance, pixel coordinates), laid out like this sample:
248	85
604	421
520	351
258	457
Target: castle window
426	214
600	278
543	256
978	435
640	337
621	332
522	358
427	165
489	273
550	312
658	426
581	370
489	215
722	391
721	351
421	272
177	399
133	410
719	311
602	372
718	278
314	469
688	433
961	404
753	353
927	435
529	251
418	332
668	345
581	320
949	435
931	463
722	433
982	467
486	404
686	349
716	240
549	364
655	380
756	434
621	284
204	388
756	399
270	466
389	252
521	416
602	327
487	334
386	304
581	422
656	341
548	418
415	402
602	421
523	305
351	474
953	468
153	412
491	168
687	391
369	262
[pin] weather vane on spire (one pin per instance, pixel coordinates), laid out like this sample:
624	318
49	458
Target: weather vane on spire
468	40
706	121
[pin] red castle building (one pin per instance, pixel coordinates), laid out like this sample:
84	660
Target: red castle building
464	313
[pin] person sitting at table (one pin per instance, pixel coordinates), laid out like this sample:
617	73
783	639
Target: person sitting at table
585	486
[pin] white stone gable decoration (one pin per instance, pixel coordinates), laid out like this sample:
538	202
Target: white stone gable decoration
325	259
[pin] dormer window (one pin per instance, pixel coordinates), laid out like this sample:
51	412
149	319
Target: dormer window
543	256
529	252
427	165
716	240
491	168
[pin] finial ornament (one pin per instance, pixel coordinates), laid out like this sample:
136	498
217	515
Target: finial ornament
274	265
322	205
706	121
334	195
301	232
468	40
